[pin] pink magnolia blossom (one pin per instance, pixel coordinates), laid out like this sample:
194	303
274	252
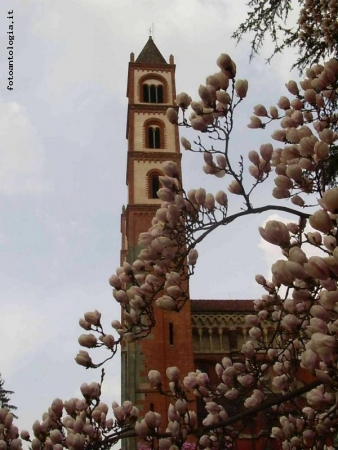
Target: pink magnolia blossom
255	122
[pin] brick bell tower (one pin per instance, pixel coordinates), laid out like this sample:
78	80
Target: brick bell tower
152	139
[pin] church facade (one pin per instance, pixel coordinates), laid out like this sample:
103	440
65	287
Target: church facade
205	330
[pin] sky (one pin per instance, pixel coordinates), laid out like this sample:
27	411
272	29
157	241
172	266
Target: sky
63	165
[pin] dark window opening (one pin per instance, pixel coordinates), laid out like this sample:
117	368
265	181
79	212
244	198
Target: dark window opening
146	93
155	186
154	137
171	334
159	94
151	406
152	93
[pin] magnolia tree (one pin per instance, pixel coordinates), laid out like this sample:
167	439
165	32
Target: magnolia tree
299	302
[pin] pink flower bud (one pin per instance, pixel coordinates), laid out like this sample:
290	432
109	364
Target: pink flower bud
245	380
93	317
290	322
241	88
294	171
170	169
329	201
266	151
279	135
248	349
328	299
292	135
297	104
204	93
150	419
115	282
154	377
167	303
283	182
254	157
255	333
322	150
36	444
200	196
260	110
310	96
84	324
185	143
108	341
306	164
256	398
221	198
173	373
183	100
199	124
57	406
192	257
273	112
223	97
224	61
314	238
165	194
321	221
209	202
181	407
197	107
255	122
78	425
83	359
141	429
292	87
222	79
172	115
56	436
25	435
275	232
283	103
87	340
235	188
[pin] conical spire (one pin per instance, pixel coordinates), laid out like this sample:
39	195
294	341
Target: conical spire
150	54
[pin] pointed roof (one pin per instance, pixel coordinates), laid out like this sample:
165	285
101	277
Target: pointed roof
150	54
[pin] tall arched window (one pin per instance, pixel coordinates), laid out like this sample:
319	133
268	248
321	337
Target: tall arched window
155	186
153	183
154	134
154	137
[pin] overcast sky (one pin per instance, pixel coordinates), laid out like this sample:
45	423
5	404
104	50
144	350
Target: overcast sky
62	172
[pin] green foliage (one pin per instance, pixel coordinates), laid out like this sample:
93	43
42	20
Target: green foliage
5	397
314	36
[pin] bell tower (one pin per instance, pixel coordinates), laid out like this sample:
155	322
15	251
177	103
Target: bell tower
152	139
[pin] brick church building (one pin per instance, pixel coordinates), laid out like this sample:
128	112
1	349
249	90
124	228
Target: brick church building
205	330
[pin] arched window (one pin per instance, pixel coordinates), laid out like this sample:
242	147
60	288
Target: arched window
152	93
154	134
155	186
153	183
154	137
153	88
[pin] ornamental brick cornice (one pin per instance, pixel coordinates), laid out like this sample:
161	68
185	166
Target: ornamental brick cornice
154	156
158	68
217	320
158	108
